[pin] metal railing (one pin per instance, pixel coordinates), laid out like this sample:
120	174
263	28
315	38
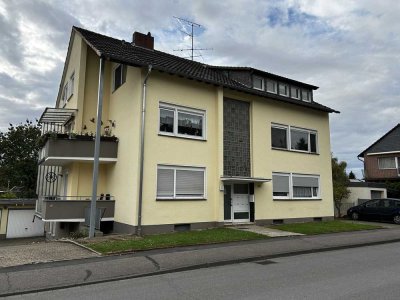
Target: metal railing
81	198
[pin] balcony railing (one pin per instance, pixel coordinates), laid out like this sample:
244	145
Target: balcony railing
60	149
72	208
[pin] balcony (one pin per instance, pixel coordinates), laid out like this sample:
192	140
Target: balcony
60	149
73	208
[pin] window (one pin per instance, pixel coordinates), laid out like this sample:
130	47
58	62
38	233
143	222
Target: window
373	203
175	182
387	163
271	86
295	186
119	76
376	194
68	89
279	137
258	83
182	122
292	138
295	92
283	89
306	95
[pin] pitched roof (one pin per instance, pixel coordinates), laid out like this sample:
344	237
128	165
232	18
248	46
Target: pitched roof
127	53
268	74
390	141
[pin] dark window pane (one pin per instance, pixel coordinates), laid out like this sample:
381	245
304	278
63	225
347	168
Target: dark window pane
313	142
241	189
258	83
118	77
372	204
299	140
282	194
190	124
278	137
166	120
241	215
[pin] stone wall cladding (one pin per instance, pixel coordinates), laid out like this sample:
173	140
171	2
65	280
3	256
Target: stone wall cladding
236	138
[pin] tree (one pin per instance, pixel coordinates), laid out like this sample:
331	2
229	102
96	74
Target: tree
19	157
352	175
340	183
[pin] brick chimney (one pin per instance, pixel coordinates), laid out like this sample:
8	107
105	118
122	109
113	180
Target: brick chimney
143	40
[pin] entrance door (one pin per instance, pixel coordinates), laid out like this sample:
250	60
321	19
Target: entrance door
240	203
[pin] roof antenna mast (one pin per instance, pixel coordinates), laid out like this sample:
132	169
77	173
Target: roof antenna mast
191	35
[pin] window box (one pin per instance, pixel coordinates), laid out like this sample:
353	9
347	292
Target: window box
292	186
181	122
180	183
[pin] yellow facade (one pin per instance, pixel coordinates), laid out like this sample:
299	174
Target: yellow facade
123	107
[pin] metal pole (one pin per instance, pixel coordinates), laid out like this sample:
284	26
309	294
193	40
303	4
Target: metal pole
139	228
192	41
96	150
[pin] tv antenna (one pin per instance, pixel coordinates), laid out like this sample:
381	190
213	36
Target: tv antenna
191	35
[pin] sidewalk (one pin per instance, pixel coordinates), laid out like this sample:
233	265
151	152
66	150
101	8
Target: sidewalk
14	280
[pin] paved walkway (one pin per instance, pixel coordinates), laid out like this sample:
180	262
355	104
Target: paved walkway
22	252
265	231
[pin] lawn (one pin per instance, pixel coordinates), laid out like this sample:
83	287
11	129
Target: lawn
169	240
324	227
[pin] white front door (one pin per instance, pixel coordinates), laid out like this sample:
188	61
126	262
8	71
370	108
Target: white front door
240	203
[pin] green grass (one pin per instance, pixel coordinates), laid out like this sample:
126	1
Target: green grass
169	240
324	227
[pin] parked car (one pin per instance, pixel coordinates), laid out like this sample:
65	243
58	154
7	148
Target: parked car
377	209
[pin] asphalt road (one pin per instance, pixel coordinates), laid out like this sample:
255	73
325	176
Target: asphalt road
360	273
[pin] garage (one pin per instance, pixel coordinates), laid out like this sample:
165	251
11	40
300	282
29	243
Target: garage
20	224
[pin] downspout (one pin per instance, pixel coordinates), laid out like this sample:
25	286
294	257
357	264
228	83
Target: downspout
139	226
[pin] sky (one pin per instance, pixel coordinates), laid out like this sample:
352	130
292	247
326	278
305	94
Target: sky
350	49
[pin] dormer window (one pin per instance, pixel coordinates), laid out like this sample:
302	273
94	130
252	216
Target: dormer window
258	83
294	92
119	76
305	95
283	89
271	86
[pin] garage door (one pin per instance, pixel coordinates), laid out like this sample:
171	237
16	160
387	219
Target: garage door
20	224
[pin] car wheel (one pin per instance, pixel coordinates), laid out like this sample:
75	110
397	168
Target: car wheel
396	219
355	216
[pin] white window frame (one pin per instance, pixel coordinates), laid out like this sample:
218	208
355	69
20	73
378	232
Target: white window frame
184	168
275	83
298	92
113	76
291	196
308	95
396	163
287	89
289	138
262	83
177	109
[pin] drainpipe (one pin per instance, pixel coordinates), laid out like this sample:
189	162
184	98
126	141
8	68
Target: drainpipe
96	150
139	227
